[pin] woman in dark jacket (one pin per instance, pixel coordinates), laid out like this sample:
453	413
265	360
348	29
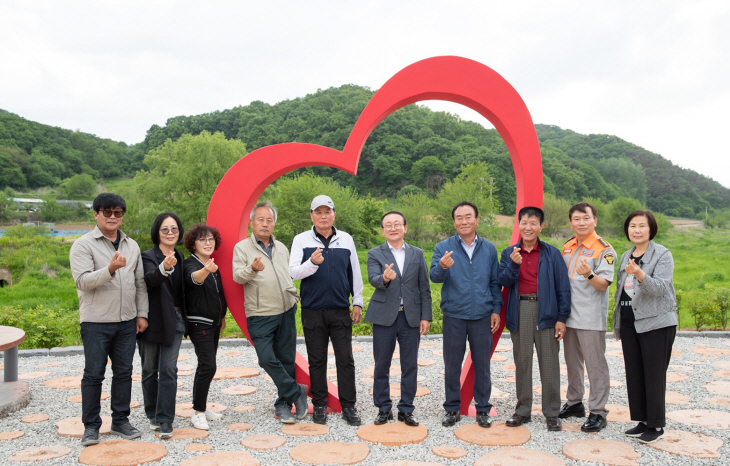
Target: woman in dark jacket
159	344
645	321
206	311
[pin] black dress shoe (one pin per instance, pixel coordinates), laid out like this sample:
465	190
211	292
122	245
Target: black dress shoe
319	415
408	418
577	410
166	430
450	418
516	420
554	424
383	417
594	423
484	420
350	415
91	436
126	431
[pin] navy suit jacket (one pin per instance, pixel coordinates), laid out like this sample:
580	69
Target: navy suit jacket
410	284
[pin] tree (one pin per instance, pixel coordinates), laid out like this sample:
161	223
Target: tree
10	173
418	209
79	187
428	172
556	215
7	205
184	174
51	211
472	185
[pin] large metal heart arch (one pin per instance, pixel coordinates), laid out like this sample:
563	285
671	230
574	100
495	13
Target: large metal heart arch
454	79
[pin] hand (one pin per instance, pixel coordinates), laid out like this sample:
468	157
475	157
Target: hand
210	266
223	324
614	335
425	326
118	261
317	257
257	265
582	268
389	273
356	314
446	260
141	324
170	261
516	256
495	322
632	268
560	330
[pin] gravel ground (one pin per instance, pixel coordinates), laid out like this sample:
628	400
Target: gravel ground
428	409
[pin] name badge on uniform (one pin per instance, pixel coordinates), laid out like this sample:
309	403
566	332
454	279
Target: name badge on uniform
587	252
567	251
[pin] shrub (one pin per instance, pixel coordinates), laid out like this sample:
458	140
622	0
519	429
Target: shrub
44	327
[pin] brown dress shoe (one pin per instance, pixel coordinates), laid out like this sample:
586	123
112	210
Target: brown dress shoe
554	424
516	420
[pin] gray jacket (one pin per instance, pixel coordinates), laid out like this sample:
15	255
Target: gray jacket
654	301
103	297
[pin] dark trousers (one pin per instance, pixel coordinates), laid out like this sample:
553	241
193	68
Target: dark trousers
384	338
319	328
479	334
159	375
116	342
646	357
275	341
205	341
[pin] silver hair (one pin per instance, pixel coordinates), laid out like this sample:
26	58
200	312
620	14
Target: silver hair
266	204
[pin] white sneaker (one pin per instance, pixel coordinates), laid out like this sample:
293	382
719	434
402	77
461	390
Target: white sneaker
211	416
199	422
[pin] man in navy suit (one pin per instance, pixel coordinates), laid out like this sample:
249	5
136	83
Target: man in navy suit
400	310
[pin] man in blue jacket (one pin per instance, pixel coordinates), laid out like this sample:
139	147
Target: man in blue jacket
538	304
471	299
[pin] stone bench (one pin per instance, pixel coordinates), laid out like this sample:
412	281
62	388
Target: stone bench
14	394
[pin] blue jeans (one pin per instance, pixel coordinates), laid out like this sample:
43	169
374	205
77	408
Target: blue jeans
101	341
159	376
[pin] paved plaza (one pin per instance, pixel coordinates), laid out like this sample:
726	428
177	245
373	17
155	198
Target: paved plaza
698	411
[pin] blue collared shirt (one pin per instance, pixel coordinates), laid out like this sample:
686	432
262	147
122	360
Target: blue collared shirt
469	249
268	250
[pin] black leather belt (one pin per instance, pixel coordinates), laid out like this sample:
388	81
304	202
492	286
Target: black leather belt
528	297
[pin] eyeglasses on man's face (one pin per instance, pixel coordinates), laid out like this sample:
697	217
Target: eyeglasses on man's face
394	226
117	213
209	240
166	230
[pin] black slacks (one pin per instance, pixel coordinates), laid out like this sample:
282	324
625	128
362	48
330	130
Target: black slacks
205	341
646	358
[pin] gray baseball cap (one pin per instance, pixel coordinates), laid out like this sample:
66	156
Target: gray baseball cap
322	200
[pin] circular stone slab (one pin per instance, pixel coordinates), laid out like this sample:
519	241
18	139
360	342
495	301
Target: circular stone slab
394	434
676	377
305	429
239	390
368	380
681	367
618	413
186	409
198	447
122	453
719	387
426	362
394	370
498	394
602	451
509	367
572	427
450	453
185	367
223	458
240	426
498	358
430	345
77	398
617	353
30	418
11	435
702	417
66	383
723	374
232	354
182	357
185	373
518	457
409	463
40	453
263	441
438	352
49	364
73	427
395	391
502	349
330	453
235	373
187	433
722	364
243	408
499	435
718	400
614	344
137	378
688	444
676	398
711	351
33	375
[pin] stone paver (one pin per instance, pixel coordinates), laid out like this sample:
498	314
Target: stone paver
239	390
223	458
31	418
395	391
65	383
618	413
122	453
393	434
235	373
509	367
243	408
33	375
409	463
450	453
426	362
305	429
719	400
502	349
183	357
519	457
73	427
676	377
711	351
239	426
77	398
48	364
499	435
498	358
602	451
723	374
702	417
394	370
572	427
198	447
12	435
676	398
438	352
722	364
330	453
263	442
40	453
186	409
355	349
719	387
232	354
498	394
688	444
187	433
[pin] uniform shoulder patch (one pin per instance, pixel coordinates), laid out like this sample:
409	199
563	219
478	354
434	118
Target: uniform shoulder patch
609	258
571	239
604	243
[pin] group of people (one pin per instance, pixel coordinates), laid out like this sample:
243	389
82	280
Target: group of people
155	298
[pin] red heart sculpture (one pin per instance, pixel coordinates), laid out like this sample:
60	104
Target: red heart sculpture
454	79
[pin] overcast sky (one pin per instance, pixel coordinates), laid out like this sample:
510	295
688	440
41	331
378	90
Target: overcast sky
656	74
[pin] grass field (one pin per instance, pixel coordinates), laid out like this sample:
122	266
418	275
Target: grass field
43	298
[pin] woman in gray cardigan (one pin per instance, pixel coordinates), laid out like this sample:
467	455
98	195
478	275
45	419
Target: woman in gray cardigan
646	323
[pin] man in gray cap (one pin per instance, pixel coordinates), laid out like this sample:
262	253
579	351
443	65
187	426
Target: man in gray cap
325	260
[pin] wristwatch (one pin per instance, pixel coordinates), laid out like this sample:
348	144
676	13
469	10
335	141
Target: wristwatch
590	276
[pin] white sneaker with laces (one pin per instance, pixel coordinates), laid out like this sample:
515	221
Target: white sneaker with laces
199	422
211	416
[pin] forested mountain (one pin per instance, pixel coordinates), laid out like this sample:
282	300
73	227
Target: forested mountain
413	149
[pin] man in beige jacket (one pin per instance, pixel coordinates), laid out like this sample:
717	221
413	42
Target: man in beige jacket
107	268
261	265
